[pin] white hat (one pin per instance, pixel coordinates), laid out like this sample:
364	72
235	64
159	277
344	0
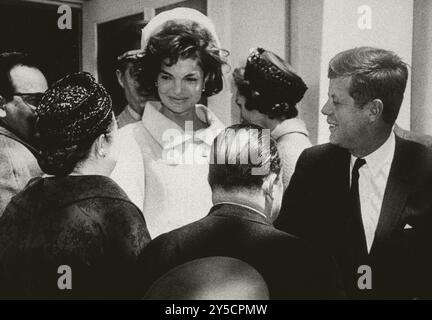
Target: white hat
156	24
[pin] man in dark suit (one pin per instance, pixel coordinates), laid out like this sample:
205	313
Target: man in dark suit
245	177
424	139
366	195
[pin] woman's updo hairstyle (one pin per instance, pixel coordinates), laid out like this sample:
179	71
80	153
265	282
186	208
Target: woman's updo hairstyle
269	85
182	39
71	115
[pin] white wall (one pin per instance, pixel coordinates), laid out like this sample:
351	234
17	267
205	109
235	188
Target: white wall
244	24
306	44
421	116
321	29
392	28
241	24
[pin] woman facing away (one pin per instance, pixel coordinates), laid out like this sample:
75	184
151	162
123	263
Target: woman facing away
72	233
268	91
164	164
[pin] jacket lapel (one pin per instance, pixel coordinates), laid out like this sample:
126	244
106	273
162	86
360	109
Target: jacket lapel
395	196
341	182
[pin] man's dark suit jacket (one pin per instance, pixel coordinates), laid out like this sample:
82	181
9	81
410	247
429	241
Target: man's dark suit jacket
290	268
413	136
316	207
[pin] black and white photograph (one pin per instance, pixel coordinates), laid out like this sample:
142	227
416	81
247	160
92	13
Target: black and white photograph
220	153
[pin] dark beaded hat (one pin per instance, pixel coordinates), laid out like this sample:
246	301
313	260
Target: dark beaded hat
75	108
71	115
279	87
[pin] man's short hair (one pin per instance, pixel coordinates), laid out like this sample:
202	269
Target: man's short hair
242	157
9	60
375	74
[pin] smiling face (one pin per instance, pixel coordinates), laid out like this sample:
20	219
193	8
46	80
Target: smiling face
180	85
348	121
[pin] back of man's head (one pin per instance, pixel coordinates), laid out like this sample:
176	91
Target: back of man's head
9	60
375	74
242	157
210	278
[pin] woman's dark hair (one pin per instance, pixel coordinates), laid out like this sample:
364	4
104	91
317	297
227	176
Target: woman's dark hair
269	85
182	40
71	115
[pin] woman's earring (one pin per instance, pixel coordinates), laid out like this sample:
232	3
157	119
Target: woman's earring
102	153
2	113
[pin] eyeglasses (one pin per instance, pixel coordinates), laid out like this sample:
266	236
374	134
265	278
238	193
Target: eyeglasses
30	98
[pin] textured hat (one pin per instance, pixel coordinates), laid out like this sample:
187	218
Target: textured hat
157	23
75	110
268	79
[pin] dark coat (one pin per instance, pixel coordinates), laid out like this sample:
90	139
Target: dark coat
85	222
414	136
316	207
289	266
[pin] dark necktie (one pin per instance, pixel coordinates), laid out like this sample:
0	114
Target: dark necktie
359	239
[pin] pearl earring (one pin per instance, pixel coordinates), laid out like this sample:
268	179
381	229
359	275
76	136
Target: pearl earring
102	153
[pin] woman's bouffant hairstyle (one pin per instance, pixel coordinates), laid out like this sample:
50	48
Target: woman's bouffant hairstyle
71	115
243	156
182	40
269	85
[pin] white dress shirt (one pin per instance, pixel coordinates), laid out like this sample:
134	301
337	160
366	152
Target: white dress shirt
372	184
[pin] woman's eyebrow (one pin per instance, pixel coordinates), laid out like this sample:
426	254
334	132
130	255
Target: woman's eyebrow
192	73
165	72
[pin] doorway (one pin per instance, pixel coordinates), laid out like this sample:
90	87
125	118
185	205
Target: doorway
32	28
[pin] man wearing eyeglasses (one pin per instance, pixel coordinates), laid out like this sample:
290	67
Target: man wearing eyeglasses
21	86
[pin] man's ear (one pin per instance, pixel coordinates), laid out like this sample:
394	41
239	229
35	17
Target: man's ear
376	108
2	107
269	184
120	80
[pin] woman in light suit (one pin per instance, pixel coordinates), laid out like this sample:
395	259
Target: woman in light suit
164	164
